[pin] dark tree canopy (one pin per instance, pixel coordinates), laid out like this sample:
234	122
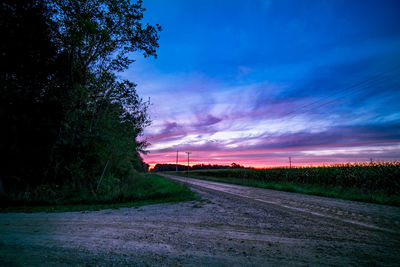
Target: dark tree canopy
67	117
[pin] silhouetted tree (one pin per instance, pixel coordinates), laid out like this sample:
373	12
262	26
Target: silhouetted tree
66	114
27	62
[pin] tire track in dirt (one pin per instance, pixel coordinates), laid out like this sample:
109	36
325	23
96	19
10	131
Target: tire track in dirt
220	229
373	216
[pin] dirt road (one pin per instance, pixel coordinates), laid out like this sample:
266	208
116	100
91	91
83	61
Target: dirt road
231	226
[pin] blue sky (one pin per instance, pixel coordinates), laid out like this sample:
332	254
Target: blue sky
254	82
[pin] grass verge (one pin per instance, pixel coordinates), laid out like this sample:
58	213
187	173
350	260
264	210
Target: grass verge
146	190
326	191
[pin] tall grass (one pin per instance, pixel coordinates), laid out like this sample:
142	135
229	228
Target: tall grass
373	182
113	193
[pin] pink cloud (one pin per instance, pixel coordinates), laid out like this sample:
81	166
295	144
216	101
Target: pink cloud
273	150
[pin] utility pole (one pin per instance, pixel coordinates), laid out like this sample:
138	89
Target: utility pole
188	153
176	160
290	162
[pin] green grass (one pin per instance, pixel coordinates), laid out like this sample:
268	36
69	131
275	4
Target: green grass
145	190
374	183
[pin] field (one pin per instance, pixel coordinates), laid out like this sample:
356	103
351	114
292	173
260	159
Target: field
374	182
142	190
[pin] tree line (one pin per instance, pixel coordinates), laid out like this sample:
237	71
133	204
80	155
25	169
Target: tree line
172	167
67	117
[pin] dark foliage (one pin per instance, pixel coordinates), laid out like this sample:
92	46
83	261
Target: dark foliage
27	69
67	119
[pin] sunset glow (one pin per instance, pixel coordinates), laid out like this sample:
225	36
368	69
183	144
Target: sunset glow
256	82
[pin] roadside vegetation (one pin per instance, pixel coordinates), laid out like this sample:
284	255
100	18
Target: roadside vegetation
373	182
70	123
114	193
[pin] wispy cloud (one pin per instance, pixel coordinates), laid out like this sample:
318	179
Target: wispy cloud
255	85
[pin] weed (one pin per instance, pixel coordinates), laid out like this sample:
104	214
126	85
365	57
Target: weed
143	190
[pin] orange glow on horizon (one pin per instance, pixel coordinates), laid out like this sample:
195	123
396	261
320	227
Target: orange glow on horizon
266	166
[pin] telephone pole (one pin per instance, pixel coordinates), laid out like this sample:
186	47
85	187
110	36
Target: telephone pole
188	153
176	160
290	162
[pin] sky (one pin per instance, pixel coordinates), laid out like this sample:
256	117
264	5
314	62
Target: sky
256	82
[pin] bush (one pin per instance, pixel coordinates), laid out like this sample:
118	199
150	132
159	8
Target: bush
136	187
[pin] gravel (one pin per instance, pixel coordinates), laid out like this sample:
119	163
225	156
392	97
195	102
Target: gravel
230	226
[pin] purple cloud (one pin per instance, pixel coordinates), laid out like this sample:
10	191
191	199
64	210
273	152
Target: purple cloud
206	120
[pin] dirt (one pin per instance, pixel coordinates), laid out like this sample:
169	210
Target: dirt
230	226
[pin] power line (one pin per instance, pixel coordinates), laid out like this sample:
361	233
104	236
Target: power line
188	153
176	160
354	86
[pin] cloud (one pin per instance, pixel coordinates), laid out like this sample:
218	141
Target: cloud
169	127
352	136
337	142
206	120
278	82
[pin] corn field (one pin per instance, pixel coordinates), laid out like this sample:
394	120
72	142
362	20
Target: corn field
381	178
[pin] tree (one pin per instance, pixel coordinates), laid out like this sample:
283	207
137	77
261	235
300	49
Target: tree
27	62
85	119
96	38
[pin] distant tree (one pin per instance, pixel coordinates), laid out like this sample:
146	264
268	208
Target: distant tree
168	167
172	167
236	166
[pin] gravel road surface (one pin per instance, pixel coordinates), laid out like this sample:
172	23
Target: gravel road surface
231	226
